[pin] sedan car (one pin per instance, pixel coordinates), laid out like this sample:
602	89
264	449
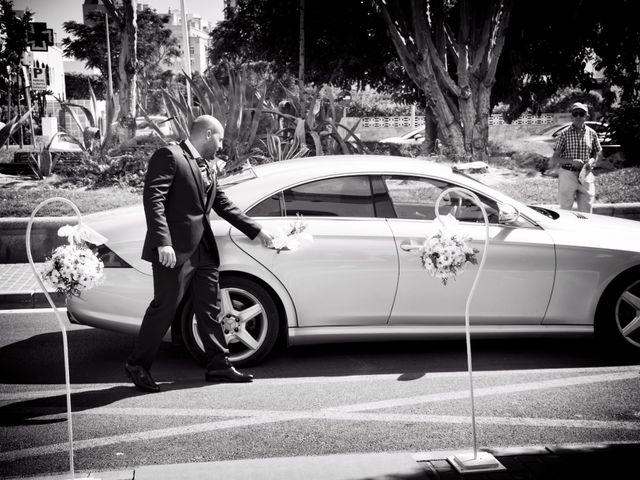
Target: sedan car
547	272
412	137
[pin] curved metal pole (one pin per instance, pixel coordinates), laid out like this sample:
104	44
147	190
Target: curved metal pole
58	317
472	196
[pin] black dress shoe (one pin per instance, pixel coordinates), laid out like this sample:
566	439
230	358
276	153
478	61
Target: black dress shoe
227	374
141	377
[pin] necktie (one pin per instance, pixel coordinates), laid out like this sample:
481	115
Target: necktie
205	172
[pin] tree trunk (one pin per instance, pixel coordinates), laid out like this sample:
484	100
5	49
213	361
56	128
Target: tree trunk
127	77
458	92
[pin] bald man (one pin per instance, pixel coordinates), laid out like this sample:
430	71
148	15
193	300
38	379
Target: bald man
179	192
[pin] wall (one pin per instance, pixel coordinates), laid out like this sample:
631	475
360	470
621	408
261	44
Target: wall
372	129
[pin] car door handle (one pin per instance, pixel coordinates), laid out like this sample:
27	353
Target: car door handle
409	247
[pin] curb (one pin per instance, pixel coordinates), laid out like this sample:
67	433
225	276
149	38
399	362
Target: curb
11	301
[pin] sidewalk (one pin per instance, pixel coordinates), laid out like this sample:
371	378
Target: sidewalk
20	289
562	462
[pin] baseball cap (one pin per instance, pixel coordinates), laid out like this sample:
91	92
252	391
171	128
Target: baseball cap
579	106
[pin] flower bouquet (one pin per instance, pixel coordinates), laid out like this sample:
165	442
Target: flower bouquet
445	254
293	237
73	268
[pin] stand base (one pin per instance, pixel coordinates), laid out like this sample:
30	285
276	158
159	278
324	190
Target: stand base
483	462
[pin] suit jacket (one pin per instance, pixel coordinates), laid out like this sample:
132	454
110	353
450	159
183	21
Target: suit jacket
177	207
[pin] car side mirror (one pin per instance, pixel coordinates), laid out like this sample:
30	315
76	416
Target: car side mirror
508	213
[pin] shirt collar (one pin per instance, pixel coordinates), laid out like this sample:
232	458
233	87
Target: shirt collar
190	149
584	127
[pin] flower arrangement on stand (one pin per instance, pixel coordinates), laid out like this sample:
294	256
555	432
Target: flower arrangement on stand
71	269
445	254
74	268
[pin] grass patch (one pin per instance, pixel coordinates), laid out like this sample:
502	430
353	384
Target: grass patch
20	202
617	186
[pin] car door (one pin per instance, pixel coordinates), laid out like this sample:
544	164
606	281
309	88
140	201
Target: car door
348	274
515	285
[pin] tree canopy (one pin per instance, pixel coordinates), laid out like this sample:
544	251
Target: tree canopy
468	54
13	42
157	47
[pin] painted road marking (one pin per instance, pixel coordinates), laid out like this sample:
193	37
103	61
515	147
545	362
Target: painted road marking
346	412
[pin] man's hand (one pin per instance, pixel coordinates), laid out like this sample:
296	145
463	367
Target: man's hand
266	238
167	256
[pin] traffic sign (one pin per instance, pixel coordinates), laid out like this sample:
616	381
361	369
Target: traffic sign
38	78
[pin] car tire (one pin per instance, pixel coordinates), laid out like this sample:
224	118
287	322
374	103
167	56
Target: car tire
617	322
256	335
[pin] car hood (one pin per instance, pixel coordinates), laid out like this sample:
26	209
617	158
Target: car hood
578	229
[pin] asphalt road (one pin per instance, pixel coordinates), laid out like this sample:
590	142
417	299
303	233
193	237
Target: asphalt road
377	397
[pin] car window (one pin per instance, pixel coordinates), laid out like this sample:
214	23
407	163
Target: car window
415	198
335	197
270	207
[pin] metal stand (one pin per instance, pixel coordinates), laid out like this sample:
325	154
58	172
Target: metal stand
59	318
476	461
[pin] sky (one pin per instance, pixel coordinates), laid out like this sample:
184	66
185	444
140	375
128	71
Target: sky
56	12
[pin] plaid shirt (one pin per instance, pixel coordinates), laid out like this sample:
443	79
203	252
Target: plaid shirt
578	143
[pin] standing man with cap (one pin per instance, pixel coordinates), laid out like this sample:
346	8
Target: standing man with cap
180	190
577	148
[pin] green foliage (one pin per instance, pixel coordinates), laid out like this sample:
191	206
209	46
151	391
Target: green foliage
313	118
562	100
370	103
237	105
98	134
336	52
624	124
13	42
77	86
9	129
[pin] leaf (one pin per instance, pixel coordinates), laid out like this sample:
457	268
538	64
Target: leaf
152	124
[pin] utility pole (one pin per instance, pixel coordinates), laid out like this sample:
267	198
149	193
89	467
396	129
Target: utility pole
301	52
109	79
186	55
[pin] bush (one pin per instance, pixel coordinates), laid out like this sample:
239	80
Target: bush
374	104
624	125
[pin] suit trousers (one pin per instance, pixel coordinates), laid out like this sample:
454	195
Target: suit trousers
198	276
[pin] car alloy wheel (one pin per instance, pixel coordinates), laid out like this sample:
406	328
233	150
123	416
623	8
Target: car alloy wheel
249	319
627	314
617	321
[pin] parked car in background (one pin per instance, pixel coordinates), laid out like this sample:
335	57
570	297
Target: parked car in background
412	137
145	130
548	272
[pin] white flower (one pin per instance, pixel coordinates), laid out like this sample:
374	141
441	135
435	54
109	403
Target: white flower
445	253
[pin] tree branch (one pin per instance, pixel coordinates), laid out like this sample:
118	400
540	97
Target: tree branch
496	51
406	57
113	11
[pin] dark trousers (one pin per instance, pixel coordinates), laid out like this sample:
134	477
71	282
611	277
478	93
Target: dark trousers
199	277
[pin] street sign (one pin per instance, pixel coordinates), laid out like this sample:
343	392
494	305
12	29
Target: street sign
39	37
38	78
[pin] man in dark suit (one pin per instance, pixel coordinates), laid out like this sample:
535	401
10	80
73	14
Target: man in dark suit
180	190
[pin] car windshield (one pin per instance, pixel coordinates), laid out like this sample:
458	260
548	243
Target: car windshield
530	211
242	176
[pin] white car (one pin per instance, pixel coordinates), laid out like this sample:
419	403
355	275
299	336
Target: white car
547	272
412	137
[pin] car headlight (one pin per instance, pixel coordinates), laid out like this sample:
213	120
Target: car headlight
110	259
